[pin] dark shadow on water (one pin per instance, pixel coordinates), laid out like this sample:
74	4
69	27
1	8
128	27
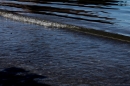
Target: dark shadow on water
19	77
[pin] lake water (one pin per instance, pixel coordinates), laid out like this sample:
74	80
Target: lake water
67	58
107	15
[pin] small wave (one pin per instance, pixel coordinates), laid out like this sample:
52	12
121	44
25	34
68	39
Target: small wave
46	23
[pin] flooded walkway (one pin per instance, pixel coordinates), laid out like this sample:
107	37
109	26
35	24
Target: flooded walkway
66	58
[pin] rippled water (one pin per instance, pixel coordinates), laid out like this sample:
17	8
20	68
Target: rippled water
107	15
68	58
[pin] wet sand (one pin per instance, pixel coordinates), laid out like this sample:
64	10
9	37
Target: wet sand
61	57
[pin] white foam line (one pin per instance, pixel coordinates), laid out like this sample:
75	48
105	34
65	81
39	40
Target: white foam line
32	20
66	26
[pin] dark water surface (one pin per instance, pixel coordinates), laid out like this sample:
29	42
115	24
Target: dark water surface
107	15
67	58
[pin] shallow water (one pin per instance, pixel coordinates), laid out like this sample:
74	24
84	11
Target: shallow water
107	15
66	58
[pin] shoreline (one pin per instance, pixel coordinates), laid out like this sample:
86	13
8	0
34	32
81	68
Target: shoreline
50	24
63	57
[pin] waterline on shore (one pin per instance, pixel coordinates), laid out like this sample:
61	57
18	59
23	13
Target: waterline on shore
46	23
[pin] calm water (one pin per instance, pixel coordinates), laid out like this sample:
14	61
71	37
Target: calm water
108	15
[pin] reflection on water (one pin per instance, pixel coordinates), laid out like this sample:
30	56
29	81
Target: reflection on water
108	15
